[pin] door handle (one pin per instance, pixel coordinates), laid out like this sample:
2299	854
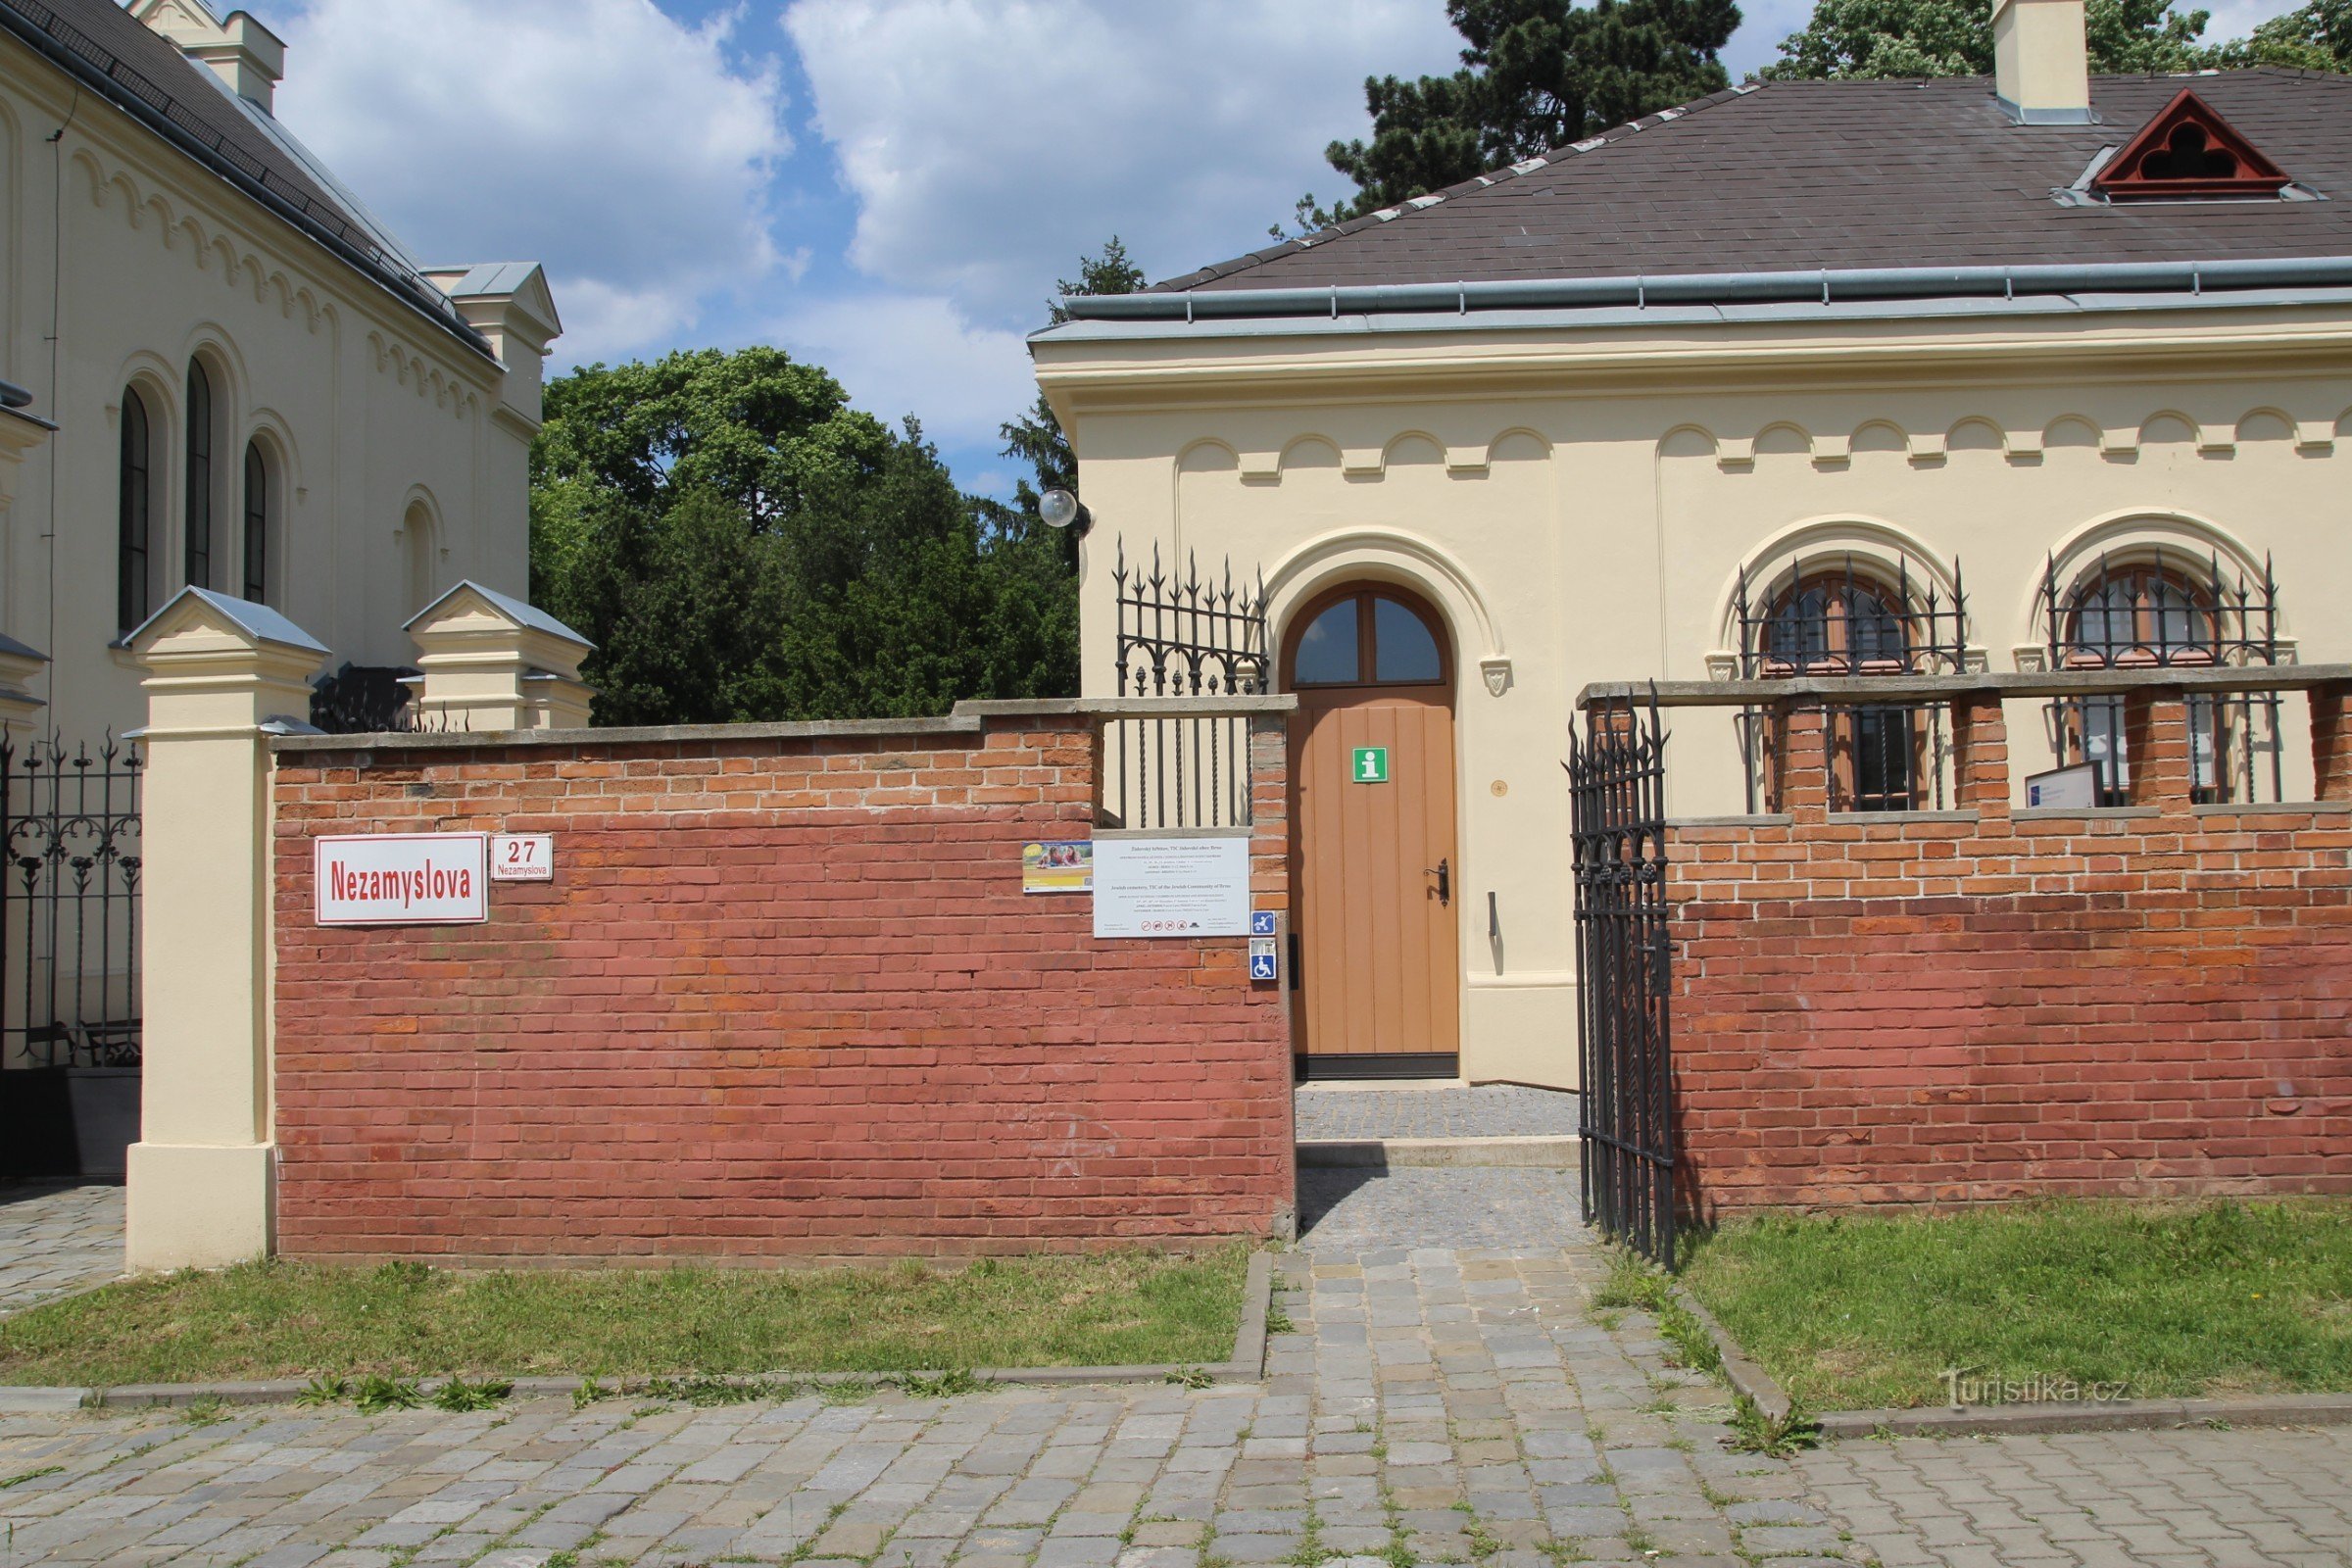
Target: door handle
1444	872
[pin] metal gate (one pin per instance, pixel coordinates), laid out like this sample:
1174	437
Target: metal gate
1184	636
1617	786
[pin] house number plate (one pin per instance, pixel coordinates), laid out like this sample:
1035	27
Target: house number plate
522	857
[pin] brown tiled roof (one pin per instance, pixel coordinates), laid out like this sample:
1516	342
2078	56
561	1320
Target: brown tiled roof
1786	177
146	75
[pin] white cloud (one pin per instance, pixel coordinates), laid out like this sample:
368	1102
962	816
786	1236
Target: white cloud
902	354
989	143
629	152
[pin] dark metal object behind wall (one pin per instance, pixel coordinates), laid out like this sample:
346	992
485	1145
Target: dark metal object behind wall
69	910
1617	793
1184	636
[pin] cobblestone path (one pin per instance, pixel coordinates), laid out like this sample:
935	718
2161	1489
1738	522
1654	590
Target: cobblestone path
56	1241
1427	1404
2097	1499
1490	1110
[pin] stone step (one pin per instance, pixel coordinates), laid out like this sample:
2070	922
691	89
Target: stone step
1538	1153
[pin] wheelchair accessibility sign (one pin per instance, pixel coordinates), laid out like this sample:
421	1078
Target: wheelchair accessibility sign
1262	965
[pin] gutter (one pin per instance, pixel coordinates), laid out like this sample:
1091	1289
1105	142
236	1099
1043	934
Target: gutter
407	291
1823	286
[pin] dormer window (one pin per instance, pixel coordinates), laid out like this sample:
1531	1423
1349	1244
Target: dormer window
2188	152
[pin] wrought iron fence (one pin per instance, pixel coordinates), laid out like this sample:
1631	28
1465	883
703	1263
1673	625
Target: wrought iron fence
1617	797
365	700
1828	618
70	903
2159	611
1183	636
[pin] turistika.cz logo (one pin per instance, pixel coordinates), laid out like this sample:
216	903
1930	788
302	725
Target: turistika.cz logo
1964	1389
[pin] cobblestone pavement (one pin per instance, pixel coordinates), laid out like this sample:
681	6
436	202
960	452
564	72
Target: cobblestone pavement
1426	1403
56	1241
1490	1110
1345	1210
2103	1499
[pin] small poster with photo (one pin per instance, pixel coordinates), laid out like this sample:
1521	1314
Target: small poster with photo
1058	865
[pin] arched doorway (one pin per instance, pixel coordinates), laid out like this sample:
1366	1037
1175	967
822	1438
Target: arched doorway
1373	855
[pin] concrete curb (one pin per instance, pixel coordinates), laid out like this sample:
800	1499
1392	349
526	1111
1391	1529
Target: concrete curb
2119	1415
1747	1378
1562	1153
1247	1364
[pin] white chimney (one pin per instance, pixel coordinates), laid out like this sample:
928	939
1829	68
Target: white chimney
240	51
2041	61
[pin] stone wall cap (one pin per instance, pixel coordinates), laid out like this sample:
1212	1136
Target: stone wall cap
257	622
527	615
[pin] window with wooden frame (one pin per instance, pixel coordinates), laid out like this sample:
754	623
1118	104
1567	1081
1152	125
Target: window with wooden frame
1841	620
1365	637
2154	613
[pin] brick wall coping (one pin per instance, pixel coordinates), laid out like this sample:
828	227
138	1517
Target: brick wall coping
2020	683
967	719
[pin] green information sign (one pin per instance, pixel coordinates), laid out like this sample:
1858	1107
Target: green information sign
1371	765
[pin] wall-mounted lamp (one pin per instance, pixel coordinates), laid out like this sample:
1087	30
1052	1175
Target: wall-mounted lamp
1060	510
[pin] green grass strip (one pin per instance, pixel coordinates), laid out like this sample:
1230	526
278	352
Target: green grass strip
2171	1301
404	1321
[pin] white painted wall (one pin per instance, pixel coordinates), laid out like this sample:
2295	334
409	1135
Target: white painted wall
377	420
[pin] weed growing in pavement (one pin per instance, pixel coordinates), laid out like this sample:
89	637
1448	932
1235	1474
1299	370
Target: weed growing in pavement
1205	1558
1310	1553
849	1391
1565	1552
324	1391
1191	1377
588	1393
204	1411
31	1475
375	1394
1755	1432
1278	1321
459	1395
937	1385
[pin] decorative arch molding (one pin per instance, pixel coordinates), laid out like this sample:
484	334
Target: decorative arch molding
1414	448
1688	441
205	244
1784	438
421	375
1209	455
2139	534
277	436
224	362
1385	555
158	380
2266	423
1501	448
1882	548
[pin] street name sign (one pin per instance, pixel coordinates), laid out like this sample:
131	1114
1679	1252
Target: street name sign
402	879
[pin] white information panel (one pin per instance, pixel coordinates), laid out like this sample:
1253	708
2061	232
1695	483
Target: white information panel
1195	885
403	879
522	857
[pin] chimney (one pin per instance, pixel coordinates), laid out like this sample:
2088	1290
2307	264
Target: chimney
2041	61
240	51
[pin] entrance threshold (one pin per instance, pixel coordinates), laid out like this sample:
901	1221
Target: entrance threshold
1341	1069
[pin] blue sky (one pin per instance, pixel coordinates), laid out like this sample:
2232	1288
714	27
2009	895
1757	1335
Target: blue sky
887	187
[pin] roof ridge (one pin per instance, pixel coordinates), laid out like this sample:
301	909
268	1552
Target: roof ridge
1484	181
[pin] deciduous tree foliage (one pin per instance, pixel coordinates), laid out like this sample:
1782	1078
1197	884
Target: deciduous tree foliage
1867	39
2316	37
1536	74
742	545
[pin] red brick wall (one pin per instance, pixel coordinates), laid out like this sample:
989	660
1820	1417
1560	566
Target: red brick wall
785	996
1986	1007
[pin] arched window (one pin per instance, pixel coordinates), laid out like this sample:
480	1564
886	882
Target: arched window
1368	638
1844	620
420	550
199	551
2152	614
257	525
132	603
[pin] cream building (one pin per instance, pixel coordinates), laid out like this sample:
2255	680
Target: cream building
1831	377
220	370
254	387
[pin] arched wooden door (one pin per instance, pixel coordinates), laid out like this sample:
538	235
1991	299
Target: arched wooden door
1372	847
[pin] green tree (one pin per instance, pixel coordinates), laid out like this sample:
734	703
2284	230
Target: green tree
1868	39
1536	74
1035	438
741	545
2316	37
